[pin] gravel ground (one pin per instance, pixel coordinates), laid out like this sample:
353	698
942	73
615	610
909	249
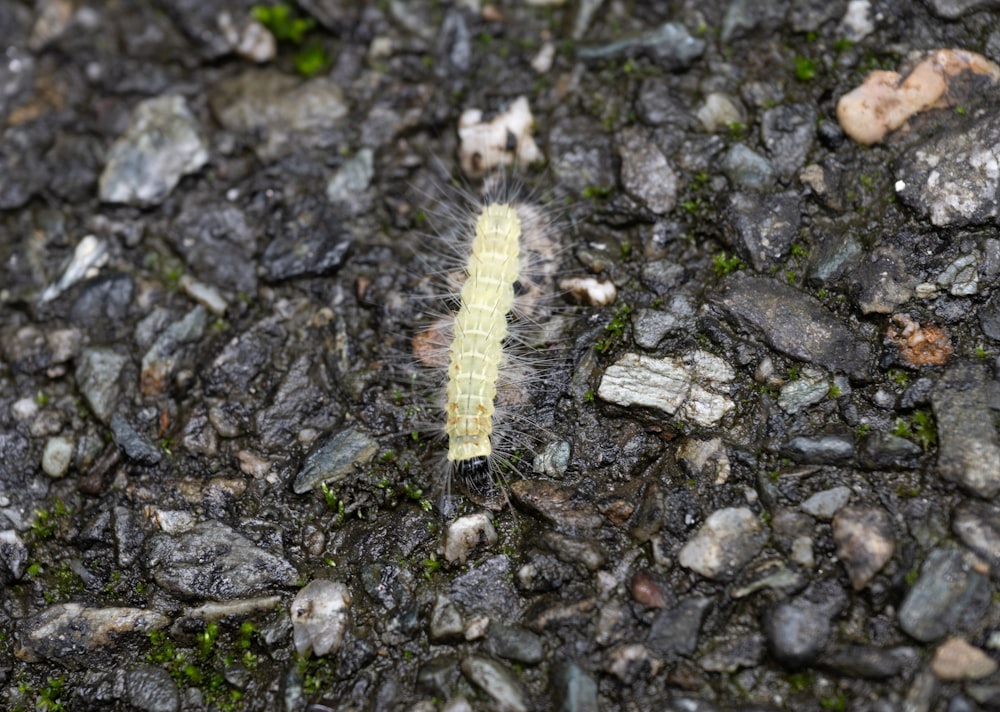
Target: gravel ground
765	447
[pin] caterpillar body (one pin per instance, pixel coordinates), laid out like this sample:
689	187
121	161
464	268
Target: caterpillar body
479	332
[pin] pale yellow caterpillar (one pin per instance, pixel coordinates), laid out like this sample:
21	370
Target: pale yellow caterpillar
479	331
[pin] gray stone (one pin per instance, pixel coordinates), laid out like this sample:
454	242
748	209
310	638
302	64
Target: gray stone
834	447
674	631
881	282
497	682
218	242
88	257
465	534
787	131
514	643
581	154
727	540
279	112
798	629
954	9
446	624
989	317
347	187
886	451
669	45
103	305
823	505
795	323
213	561
13	556
150	689
97	374
694	387
763	230
969	446
810	388
951	595
310	242
868	661
160	362
22	172
136	446
486	589
952	178
746	168
334	459
646	175
556	505
573	690
160	146
301	400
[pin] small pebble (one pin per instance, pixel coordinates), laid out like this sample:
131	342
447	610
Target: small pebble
57	457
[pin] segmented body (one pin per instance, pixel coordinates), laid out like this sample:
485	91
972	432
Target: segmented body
480	328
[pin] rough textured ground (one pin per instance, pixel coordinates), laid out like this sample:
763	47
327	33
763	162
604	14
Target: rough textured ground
764	476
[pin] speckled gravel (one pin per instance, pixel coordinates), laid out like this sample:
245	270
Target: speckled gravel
759	464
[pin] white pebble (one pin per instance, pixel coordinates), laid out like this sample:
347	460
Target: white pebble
57	456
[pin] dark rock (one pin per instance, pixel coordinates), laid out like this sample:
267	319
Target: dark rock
486	588
218	243
68	632
969	446
280	113
244	358
867	661
798	629
580	154
514	643
150	689
137	447
885	451
657	104
301	400
835	447
747	169
989	317
74	162
763	230
737	649
951	595
881	282
22	172
675	631
104	304
556	504
438	675
334	459
213	561
446	625
309	243
13	556
795	323
787	131
97	376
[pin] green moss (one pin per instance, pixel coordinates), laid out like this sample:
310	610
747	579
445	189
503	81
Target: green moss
615	329
805	69
723	264
282	21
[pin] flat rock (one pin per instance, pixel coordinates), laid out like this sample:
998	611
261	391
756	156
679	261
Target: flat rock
951	595
969	446
68	631
794	323
865	542
160	146
214	561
